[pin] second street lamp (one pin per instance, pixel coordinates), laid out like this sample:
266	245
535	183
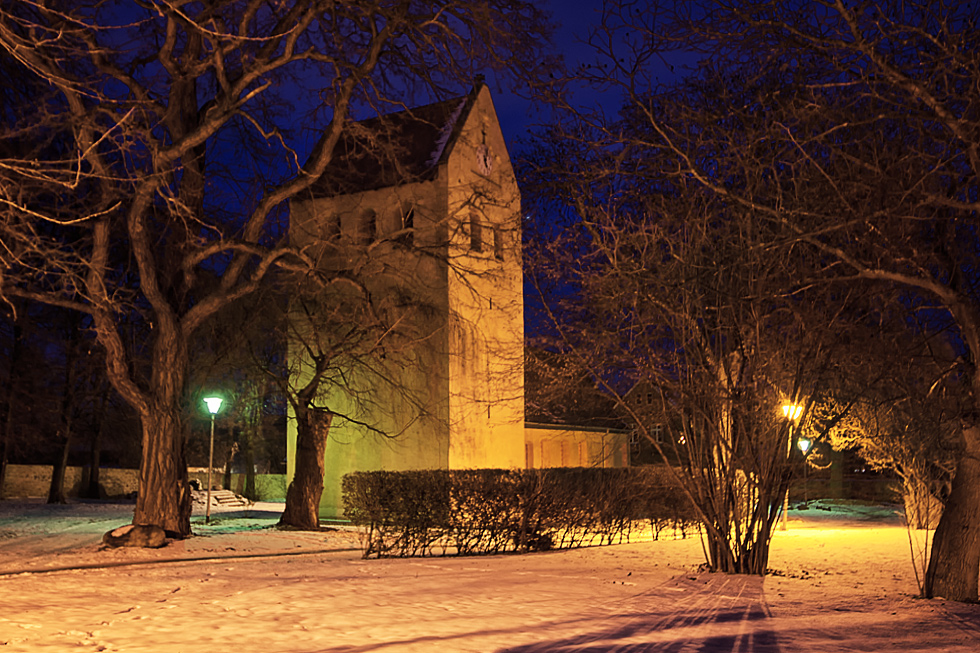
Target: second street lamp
804	444
214	405
792	413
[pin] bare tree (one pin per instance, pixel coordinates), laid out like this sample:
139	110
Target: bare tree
852	130
668	300
334	350
179	149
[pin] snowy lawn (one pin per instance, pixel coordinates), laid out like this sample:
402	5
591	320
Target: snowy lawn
843	581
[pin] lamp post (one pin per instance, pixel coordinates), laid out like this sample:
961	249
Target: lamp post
791	412
804	444
214	405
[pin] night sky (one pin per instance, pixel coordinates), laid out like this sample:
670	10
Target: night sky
573	20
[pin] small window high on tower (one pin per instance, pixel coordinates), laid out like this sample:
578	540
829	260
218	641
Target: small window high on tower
498	243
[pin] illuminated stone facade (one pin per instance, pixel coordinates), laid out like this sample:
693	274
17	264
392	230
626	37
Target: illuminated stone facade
435	222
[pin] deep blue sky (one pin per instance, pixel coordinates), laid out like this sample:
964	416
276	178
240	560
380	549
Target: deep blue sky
573	20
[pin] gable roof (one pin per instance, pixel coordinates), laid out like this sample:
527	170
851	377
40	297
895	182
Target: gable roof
396	148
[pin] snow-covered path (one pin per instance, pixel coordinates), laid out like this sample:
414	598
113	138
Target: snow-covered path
839	586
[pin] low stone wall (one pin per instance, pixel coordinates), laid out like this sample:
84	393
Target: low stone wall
27	481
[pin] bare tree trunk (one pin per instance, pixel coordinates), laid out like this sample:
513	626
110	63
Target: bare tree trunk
303	496
6	431
93	491
3	457
7	435
229	459
164	495
251	433
954	565
56	491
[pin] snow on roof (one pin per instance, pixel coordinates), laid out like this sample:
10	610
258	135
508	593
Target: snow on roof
394	149
447	132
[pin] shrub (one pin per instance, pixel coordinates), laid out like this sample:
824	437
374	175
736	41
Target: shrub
419	513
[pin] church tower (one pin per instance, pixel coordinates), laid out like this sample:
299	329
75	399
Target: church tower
420	210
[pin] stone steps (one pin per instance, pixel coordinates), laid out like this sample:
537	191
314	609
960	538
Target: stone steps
223	498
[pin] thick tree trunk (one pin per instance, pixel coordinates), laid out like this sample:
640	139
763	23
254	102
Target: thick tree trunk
164	498
954	564
303	496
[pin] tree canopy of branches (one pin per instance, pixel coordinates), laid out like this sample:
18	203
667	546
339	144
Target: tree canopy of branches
147	177
852	132
669	300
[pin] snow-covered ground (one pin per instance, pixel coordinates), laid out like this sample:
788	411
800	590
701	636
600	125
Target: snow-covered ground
843	581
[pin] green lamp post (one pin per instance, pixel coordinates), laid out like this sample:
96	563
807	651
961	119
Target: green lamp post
214	405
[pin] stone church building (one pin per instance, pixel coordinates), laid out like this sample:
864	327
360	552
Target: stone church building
423	205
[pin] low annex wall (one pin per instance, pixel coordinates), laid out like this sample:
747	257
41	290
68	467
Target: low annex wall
31	481
547	445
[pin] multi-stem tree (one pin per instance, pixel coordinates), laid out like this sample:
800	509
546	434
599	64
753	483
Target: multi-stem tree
852	131
662	295
151	177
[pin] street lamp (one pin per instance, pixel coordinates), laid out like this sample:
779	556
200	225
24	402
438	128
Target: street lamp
804	444
791	412
214	405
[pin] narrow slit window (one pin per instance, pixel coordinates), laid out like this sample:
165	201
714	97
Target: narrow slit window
476	234
498	243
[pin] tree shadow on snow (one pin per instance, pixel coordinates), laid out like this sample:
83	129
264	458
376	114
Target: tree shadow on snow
719	631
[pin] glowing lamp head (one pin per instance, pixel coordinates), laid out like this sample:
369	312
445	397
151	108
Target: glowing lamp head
214	404
804	445
792	411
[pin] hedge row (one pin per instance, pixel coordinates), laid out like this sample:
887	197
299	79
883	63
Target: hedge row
467	512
